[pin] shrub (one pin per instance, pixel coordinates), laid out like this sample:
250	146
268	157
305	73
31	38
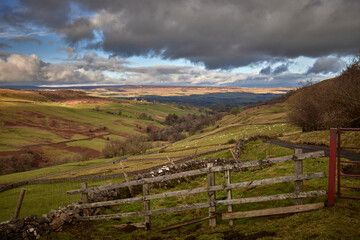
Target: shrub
132	145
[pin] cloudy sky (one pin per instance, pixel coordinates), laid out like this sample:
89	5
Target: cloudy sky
254	43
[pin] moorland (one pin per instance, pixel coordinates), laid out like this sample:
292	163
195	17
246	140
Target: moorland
65	134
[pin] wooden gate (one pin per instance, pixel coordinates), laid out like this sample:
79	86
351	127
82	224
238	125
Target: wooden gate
335	162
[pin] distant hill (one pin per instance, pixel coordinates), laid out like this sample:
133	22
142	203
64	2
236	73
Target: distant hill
48	96
210	99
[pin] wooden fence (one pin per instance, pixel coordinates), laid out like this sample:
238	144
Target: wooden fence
211	189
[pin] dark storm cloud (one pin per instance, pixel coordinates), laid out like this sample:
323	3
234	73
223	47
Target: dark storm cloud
49	13
286	79
280	69
77	30
266	70
327	65
26	39
4	45
219	34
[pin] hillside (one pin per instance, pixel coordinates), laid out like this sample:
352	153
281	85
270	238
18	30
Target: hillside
54	127
329	104
213	141
64	96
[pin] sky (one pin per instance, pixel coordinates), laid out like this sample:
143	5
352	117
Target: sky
272	43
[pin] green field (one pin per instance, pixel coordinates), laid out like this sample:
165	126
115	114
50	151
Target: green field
60	132
281	227
211	142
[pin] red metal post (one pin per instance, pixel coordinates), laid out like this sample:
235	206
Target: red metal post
332	167
338	163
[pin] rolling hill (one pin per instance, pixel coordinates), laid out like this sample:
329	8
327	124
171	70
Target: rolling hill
213	141
53	127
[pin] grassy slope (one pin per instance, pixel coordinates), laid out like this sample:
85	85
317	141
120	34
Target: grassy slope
264	121
320	224
327	223
212	139
27	119
268	120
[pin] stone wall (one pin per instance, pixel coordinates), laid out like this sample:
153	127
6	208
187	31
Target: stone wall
34	227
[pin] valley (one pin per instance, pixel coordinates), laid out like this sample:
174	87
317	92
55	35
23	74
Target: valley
62	129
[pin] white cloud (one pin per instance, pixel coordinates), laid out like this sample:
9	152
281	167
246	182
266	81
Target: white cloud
18	68
93	69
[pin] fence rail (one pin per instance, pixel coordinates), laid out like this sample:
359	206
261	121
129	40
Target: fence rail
211	189
199	172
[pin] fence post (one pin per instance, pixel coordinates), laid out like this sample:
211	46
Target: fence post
146	206
85	198
332	167
127	180
229	195
211	197
19	203
298	169
338	162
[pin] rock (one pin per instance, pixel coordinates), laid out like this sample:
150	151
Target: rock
62	209
4	230
16	227
42	220
30	219
65	217
52	214
56	223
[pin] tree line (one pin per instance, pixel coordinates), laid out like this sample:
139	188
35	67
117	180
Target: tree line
176	128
